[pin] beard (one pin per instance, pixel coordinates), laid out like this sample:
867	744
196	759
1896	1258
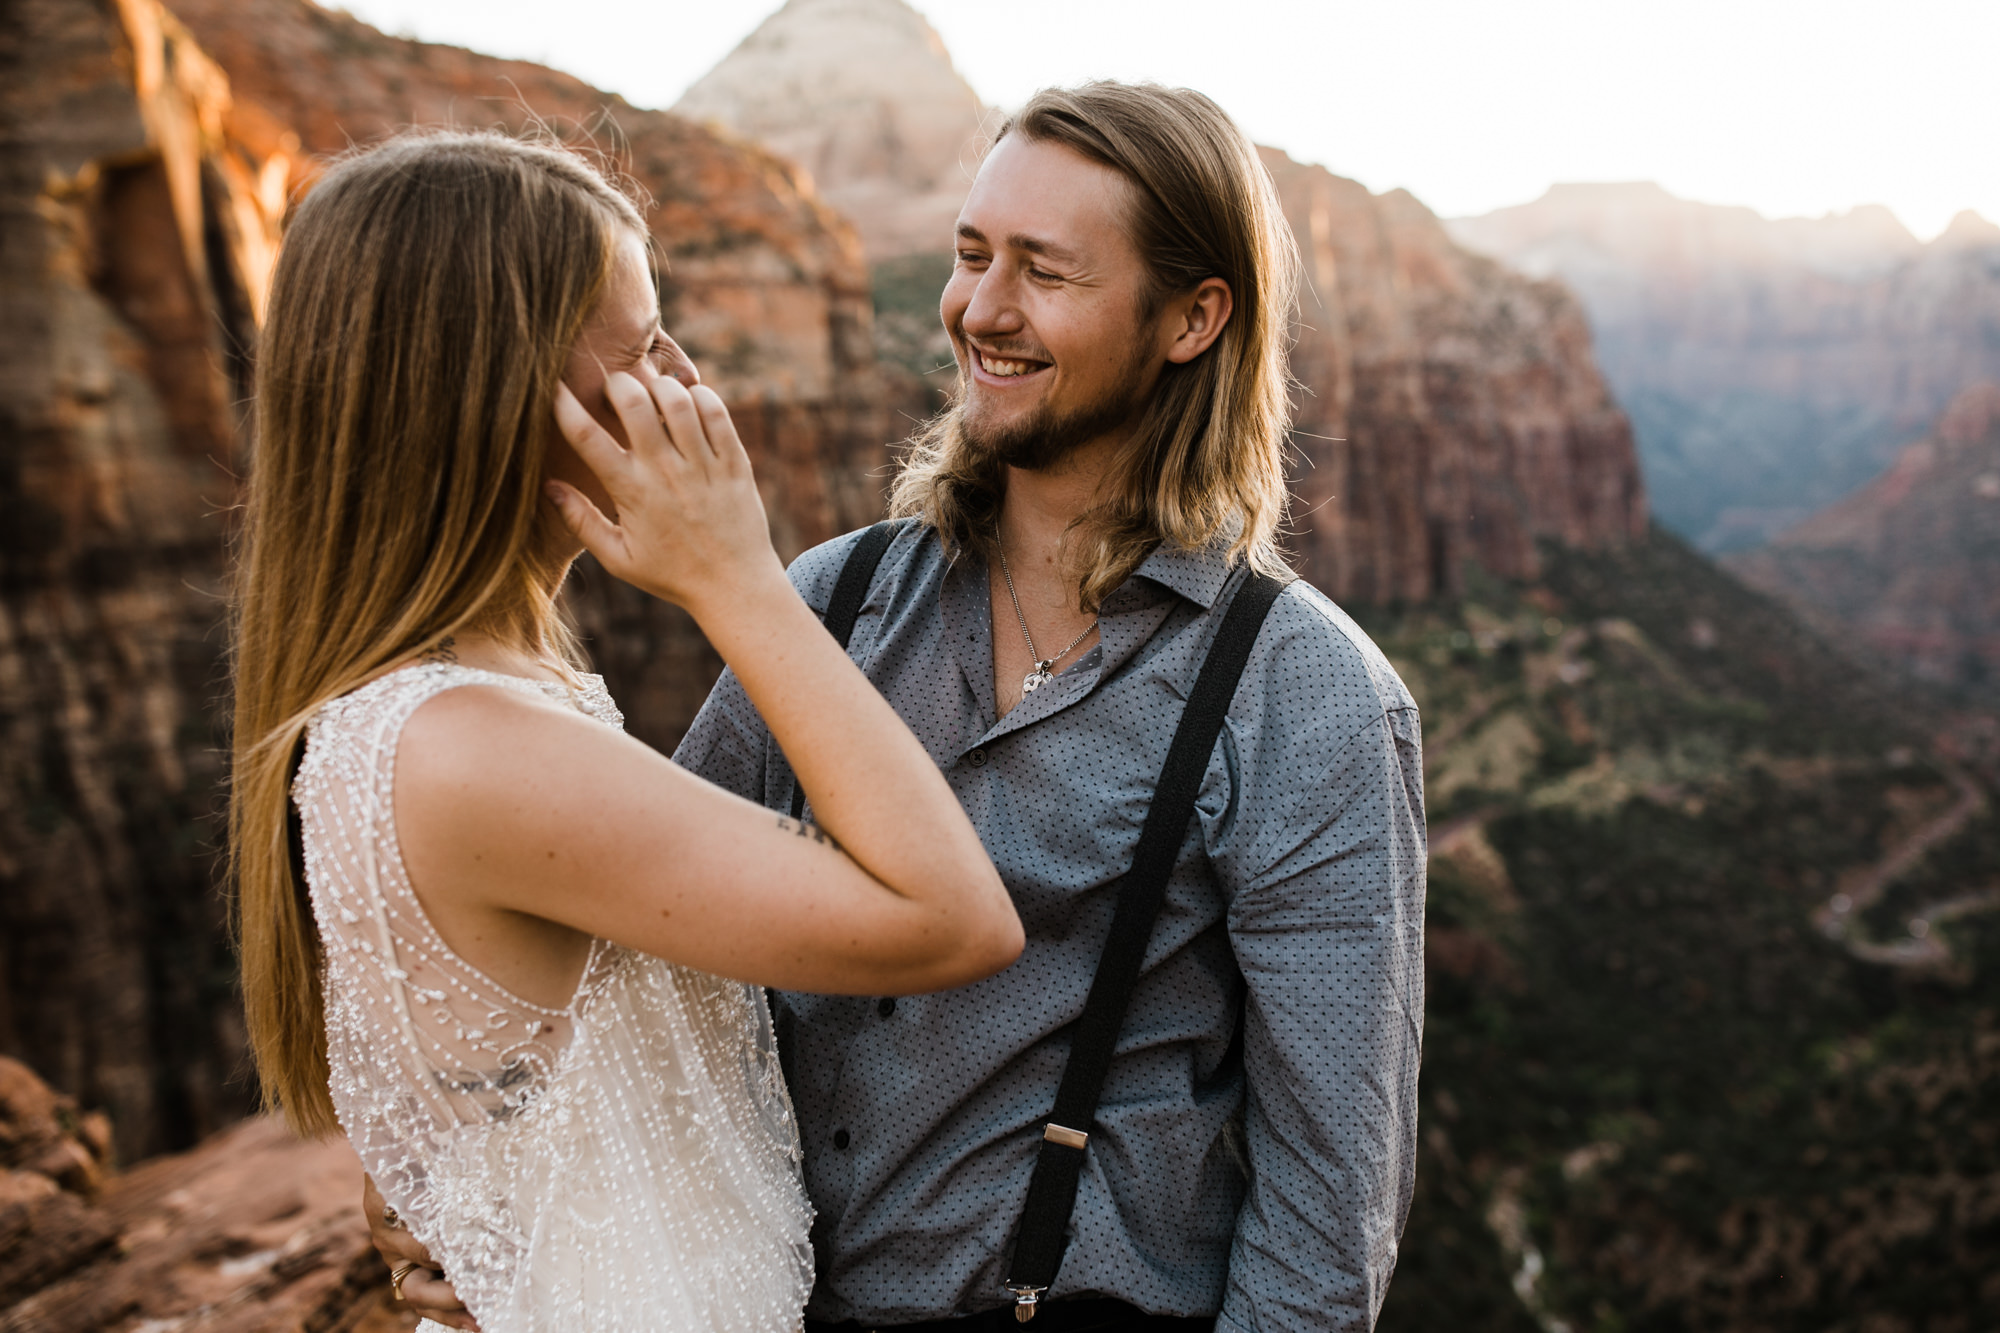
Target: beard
1045	436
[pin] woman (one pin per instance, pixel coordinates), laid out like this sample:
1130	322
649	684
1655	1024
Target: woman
521	972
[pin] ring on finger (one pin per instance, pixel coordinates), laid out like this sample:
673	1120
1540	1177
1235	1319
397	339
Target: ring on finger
396	1276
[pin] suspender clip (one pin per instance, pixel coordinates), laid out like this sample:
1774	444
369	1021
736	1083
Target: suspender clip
1063	1134
1026	1300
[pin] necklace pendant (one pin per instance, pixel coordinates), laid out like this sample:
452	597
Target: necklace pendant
1036	679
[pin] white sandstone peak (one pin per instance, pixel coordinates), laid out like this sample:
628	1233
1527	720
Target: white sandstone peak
863	95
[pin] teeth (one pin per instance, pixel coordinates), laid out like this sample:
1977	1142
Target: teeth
1005	369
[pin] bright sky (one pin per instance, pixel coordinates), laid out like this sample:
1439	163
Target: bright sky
1794	107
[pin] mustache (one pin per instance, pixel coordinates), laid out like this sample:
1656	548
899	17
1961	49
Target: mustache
1003	353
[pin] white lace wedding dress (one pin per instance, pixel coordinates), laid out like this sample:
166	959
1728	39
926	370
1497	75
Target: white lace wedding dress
628	1162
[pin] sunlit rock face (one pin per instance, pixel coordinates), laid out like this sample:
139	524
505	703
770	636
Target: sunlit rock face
1770	366
1451	414
863	96
135	236
143	179
1907	570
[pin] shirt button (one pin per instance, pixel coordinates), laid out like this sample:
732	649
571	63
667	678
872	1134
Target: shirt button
886	1008
977	758
840	1139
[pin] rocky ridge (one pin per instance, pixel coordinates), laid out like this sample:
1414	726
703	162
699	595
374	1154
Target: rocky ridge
252	1231
1453	421
1770	366
1906	571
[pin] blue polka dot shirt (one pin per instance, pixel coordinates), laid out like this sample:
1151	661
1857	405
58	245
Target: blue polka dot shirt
1254	1151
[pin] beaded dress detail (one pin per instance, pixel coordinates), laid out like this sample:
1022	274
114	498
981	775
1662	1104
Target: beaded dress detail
629	1162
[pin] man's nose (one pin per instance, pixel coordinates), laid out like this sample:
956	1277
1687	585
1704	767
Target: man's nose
993	309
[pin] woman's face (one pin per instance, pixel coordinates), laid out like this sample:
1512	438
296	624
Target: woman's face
622	334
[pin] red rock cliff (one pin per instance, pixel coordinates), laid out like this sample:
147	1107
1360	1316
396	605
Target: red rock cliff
134	239
1452	413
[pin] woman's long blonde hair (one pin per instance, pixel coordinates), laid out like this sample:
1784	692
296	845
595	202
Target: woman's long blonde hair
1208	458
425	302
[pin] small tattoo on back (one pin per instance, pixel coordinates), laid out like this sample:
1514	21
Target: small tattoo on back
444	650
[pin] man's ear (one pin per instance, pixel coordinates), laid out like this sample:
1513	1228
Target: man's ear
1197	319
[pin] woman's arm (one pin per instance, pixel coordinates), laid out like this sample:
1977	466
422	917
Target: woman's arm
506	802
529	808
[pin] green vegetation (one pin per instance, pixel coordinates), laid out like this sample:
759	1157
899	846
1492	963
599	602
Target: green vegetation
1667	1087
908	333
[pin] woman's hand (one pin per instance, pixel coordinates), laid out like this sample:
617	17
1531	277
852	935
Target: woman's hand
424	1288
691	527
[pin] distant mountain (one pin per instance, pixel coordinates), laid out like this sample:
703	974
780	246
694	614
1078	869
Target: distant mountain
1907	569
863	95
1770	367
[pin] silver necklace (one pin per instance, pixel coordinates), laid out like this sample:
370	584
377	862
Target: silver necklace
1044	667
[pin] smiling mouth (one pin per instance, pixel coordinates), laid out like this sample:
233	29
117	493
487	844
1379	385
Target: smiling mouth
1006	367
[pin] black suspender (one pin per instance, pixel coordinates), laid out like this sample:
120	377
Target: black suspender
844	607
1052	1189
1038	1250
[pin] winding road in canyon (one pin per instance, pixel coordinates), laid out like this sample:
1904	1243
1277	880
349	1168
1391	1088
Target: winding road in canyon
1858	890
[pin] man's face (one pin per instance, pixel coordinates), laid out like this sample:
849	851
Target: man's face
1044	306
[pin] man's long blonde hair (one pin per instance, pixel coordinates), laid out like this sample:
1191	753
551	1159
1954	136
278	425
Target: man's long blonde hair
425	301
1209	453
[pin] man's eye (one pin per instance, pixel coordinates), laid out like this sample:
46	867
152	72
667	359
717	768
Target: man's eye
1043	275
969	257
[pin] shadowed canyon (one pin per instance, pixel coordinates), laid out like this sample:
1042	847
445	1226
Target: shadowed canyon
1714	962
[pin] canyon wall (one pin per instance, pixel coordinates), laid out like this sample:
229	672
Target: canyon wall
131	264
1451	414
1770	366
144	171
1906	571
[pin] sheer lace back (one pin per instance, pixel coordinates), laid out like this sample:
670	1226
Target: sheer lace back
628	1161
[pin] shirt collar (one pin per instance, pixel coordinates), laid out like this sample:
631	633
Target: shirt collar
1197	573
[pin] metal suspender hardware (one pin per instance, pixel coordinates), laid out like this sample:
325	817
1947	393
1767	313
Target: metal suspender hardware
1038	1253
1063	1134
844	607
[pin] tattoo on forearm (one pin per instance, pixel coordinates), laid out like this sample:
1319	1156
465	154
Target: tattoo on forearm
805	830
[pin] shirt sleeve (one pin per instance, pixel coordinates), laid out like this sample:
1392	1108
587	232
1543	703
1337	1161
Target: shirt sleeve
728	743
1326	918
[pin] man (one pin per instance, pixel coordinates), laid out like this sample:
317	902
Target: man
1106	479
